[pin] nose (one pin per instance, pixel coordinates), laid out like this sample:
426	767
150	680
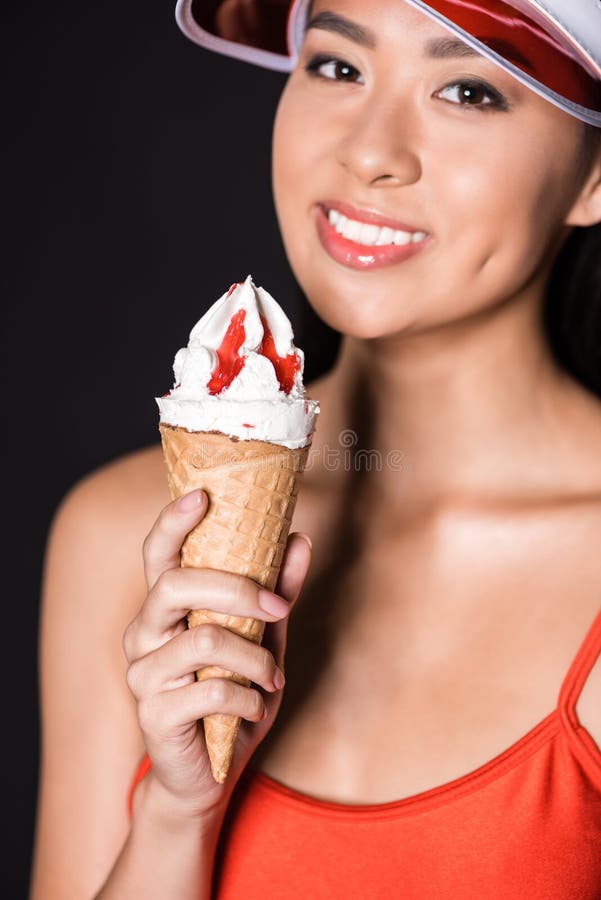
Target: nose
379	146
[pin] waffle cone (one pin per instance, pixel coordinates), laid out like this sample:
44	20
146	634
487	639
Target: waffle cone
252	488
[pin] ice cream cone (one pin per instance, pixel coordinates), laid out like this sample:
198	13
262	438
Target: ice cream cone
237	423
252	488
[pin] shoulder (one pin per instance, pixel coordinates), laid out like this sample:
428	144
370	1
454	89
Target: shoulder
124	490
113	506
588	705
579	471
93	569
93	586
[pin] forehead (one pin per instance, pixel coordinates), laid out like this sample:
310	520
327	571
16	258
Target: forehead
387	22
377	13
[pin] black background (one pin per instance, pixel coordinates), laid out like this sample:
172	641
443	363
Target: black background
137	188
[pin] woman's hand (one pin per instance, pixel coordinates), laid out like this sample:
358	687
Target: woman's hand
163	655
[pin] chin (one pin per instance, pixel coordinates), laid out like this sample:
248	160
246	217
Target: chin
354	305
360	318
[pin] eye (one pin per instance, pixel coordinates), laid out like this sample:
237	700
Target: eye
476	94
331	68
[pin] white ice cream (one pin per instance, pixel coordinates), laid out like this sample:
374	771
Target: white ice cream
234	379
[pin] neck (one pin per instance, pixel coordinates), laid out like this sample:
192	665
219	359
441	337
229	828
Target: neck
463	408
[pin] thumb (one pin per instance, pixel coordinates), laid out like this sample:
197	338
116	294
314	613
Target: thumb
163	543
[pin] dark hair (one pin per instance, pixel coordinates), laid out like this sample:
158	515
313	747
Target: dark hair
572	310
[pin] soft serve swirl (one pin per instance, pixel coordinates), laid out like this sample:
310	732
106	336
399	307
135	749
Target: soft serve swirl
241	374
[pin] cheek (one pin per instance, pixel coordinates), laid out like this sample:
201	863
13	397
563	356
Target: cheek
293	153
479	196
494	216
500	213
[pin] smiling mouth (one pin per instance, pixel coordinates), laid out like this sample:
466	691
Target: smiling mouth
369	241
369	235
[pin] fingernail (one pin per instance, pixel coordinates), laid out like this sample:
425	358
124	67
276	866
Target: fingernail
278	678
189	502
307	538
272	604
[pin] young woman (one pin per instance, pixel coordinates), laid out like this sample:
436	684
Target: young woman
437	179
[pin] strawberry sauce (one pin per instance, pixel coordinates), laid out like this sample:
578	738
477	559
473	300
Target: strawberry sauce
230	364
285	367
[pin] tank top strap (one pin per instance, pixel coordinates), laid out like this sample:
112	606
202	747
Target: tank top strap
142	771
580	669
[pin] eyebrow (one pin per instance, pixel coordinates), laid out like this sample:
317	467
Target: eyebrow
444	48
437	48
341	25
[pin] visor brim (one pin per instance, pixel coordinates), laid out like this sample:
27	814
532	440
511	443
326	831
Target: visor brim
270	33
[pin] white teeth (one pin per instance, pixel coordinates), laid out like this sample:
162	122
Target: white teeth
352	230
369	235
386	236
372	235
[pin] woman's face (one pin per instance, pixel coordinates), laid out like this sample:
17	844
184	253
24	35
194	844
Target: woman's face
473	174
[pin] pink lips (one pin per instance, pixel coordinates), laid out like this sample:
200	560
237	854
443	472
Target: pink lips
361	256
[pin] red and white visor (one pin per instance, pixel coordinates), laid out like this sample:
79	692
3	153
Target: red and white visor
553	47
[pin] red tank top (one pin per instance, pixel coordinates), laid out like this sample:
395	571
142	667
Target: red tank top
524	826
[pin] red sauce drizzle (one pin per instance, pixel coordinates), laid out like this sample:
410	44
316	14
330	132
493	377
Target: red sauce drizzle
285	367
246	425
229	363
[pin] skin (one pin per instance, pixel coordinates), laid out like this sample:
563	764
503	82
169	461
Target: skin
452	592
443	359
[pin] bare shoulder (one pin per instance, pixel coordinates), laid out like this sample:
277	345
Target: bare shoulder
97	531
93	585
99	526
130	484
588	707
